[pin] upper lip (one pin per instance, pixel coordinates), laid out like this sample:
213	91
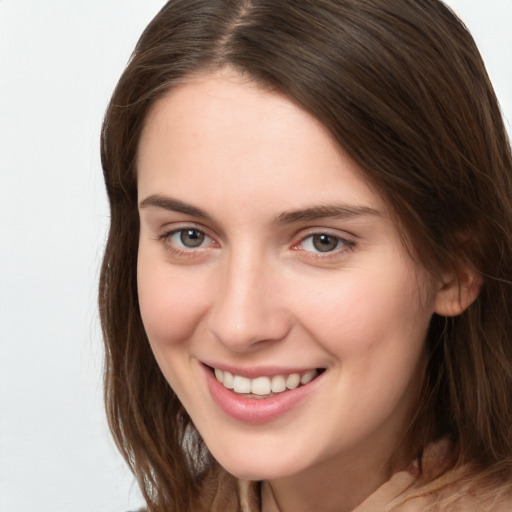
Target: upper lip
260	371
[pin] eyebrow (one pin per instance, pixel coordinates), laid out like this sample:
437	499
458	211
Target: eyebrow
333	211
174	205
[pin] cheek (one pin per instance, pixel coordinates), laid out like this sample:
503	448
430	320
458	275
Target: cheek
170	303
362	314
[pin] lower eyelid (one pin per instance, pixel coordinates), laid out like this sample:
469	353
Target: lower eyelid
180	249
343	244
165	238
205	240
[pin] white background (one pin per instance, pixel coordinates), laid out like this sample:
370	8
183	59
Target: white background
59	61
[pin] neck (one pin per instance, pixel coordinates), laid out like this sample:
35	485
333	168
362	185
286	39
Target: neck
329	487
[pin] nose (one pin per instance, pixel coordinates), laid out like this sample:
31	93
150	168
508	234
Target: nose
248	310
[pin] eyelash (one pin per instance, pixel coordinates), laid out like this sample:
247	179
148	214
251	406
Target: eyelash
166	239
343	245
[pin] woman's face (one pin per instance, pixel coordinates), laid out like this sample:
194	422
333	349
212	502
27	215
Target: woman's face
266	256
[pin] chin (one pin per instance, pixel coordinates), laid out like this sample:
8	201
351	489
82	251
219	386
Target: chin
260	468
251	472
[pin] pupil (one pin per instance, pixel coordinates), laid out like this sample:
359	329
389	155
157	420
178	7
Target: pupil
191	238
325	243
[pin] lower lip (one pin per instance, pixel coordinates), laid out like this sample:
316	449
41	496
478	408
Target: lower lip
256	410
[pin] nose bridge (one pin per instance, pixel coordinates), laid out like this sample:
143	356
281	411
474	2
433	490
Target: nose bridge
244	312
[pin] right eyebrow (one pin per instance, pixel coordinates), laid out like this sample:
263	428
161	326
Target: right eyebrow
174	205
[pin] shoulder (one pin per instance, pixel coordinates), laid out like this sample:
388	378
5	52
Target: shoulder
436	484
460	496
453	499
476	499
461	489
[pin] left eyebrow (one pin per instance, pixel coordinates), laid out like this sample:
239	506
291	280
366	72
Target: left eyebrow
333	211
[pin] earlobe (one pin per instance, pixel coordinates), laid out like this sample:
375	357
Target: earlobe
457	292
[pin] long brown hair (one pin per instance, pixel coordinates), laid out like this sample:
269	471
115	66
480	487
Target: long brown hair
401	86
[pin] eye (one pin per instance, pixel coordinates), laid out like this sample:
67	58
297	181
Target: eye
189	238
324	243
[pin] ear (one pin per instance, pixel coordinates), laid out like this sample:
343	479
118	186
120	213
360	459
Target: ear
457	292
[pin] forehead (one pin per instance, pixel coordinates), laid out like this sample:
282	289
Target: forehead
220	135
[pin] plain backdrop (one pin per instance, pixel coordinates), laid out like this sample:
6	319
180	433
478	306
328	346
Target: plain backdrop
59	62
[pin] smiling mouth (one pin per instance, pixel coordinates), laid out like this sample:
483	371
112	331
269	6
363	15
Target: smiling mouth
265	387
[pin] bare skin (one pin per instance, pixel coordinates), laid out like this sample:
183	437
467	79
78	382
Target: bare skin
263	250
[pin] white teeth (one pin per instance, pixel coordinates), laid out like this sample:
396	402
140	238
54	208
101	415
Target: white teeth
228	380
278	384
263	386
241	384
308	377
293	381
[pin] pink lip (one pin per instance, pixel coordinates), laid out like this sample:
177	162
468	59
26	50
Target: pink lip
253	410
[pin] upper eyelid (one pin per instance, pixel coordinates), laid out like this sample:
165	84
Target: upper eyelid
302	234
171	232
185	248
348	244
160	220
164	239
346	240
341	234
167	230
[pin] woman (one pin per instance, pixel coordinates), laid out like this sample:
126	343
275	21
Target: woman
305	291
